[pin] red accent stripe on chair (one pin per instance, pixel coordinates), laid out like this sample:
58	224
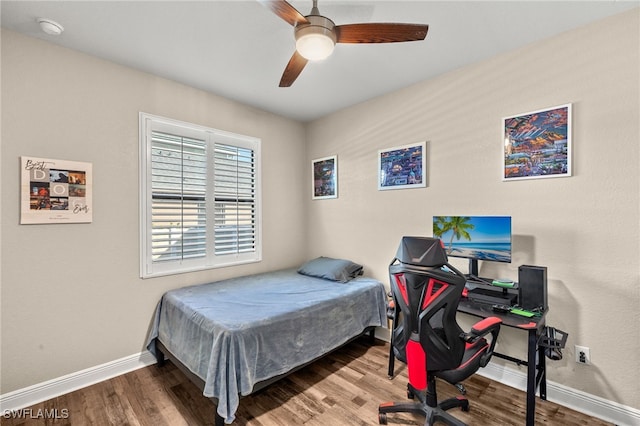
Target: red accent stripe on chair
476	355
428	297
416	365
402	286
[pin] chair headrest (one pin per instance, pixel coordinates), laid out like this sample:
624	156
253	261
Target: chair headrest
422	251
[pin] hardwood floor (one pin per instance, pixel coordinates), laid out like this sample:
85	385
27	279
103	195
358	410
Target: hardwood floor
343	388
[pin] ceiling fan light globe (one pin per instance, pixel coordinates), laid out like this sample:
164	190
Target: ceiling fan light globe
316	38
315	47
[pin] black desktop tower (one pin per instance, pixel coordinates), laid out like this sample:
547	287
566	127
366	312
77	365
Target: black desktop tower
532	287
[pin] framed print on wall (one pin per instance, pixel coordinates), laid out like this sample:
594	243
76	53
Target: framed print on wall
537	144
324	177
55	191
402	167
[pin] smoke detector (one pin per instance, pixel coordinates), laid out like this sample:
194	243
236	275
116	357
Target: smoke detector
50	27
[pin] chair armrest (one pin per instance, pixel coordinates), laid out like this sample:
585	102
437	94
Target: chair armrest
489	325
391	309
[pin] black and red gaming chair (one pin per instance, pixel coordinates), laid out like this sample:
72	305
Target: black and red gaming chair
426	289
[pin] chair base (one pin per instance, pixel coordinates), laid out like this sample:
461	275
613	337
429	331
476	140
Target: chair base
431	413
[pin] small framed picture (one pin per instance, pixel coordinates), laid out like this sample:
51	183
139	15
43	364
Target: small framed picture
55	191
402	167
537	144
324	177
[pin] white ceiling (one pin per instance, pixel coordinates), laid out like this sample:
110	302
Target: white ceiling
238	49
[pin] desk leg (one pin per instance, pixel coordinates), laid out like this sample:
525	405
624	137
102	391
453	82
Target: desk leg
542	371
532	351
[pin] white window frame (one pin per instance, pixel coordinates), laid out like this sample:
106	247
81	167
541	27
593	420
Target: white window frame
148	268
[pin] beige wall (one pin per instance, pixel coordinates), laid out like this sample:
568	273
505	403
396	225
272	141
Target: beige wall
71	294
584	228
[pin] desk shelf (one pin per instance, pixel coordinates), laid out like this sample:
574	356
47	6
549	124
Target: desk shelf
484	292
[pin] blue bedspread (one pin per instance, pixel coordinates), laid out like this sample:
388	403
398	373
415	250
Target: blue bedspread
238	332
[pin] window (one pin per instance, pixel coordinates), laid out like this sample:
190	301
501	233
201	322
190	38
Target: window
200	197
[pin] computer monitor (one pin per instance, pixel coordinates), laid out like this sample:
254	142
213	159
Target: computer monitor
475	238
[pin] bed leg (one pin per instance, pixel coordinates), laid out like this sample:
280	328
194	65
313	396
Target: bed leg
160	358
219	419
372	336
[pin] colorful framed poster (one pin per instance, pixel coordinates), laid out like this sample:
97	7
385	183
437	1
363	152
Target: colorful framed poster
537	144
55	191
402	167
324	177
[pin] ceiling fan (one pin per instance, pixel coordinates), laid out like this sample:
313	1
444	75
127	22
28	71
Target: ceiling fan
316	35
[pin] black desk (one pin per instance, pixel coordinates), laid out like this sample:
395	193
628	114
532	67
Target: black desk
536	365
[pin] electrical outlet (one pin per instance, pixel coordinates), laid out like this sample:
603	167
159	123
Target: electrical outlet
583	356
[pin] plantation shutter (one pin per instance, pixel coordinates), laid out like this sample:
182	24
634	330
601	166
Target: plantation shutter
200	198
235	200
179	187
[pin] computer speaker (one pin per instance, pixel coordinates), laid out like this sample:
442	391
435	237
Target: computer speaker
532	287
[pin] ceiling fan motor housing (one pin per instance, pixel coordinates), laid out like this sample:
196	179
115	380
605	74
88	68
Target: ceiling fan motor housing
319	30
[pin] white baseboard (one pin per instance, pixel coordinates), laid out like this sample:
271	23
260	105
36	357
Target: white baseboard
40	392
571	398
580	401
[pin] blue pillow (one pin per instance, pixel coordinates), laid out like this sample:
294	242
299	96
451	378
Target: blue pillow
341	270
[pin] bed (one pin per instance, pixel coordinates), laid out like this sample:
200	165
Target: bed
235	336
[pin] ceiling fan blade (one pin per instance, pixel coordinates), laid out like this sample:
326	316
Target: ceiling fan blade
380	32
294	68
285	11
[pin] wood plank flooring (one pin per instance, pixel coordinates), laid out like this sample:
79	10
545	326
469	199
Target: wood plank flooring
343	388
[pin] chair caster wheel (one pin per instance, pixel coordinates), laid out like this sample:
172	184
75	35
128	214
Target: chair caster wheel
382	418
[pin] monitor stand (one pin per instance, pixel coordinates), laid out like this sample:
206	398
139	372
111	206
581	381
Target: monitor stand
473	268
473	276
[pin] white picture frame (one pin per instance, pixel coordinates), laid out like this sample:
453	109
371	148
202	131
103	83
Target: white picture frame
537	144
55	191
402	167
324	178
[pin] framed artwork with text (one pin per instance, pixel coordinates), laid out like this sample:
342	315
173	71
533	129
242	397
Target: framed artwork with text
55	191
